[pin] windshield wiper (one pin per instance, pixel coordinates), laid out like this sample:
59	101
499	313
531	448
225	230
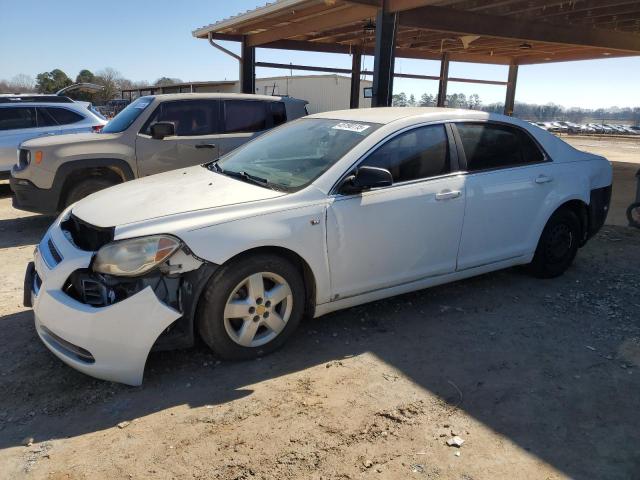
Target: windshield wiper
246	177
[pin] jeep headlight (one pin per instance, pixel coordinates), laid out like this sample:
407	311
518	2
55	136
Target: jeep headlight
135	256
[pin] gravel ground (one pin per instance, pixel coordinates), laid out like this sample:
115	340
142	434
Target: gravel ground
540	379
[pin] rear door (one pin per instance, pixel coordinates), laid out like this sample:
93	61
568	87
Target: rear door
246	119
18	124
197	127
508	183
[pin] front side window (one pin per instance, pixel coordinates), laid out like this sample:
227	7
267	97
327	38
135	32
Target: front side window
419	153
62	116
489	146
127	116
16	118
245	116
190	117
294	155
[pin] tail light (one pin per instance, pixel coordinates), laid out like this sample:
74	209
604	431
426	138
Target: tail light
97	128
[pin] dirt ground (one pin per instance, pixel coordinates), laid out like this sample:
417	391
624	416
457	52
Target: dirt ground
540	379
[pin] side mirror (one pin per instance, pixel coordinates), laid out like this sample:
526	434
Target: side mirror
366	178
160	130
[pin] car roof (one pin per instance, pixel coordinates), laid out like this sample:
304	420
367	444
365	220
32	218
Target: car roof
237	96
386	115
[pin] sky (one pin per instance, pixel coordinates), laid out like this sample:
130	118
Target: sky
148	39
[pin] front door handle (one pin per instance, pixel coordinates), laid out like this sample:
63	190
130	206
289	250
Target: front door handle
448	194
205	145
540	179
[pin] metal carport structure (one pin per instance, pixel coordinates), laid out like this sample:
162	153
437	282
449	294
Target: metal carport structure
505	32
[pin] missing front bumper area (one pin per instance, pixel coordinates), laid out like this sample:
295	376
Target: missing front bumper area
177	291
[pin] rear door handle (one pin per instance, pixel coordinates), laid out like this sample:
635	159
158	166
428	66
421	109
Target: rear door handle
205	145
540	179
448	194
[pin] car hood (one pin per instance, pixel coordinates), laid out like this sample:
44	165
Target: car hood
169	193
68	139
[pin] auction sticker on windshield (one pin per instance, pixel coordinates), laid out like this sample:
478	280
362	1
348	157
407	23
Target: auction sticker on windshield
141	105
351	127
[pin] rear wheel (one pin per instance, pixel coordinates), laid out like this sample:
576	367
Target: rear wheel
251	306
558	245
85	188
633	214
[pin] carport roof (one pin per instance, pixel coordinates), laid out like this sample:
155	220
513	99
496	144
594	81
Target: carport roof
483	31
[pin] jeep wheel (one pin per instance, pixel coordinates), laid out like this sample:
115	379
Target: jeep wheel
85	188
251	306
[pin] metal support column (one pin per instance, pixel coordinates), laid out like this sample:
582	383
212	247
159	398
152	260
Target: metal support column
383	63
356	62
248	68
444	80
510	100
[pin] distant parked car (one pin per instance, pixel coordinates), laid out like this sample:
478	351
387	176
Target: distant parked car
151	135
23	117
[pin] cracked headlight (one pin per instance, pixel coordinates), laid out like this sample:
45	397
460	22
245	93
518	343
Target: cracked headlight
135	256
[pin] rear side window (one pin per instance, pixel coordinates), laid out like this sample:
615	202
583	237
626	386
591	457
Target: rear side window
44	118
489	146
64	116
278	113
419	153
245	116
15	118
190	117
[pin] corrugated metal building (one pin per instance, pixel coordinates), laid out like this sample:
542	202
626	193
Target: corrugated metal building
323	92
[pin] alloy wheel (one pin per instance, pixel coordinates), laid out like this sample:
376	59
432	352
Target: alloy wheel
258	309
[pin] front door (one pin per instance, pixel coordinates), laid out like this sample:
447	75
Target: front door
508	183
405	232
196	139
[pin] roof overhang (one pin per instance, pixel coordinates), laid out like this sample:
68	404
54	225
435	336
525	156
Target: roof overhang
482	31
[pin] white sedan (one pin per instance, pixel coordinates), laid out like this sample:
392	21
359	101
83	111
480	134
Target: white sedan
324	213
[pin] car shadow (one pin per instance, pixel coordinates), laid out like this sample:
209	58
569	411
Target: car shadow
17	232
5	190
521	363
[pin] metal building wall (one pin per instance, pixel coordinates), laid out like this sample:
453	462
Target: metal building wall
323	92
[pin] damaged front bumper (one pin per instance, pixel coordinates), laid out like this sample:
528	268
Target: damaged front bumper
109	341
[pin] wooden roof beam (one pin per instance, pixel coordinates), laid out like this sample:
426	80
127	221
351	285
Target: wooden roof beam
469	23
335	18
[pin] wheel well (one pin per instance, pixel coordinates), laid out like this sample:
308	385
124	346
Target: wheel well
581	210
76	176
293	257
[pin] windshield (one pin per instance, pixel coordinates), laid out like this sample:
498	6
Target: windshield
292	156
126	117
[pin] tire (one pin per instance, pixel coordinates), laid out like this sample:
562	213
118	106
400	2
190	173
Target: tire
85	188
633	215
251	334
558	245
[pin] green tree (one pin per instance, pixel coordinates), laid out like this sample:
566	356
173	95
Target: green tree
427	100
85	76
166	81
399	100
51	82
412	101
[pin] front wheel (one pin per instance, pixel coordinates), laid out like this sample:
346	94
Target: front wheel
633	215
251	306
85	188
558	245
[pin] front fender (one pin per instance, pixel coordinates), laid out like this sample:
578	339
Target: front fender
300	230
